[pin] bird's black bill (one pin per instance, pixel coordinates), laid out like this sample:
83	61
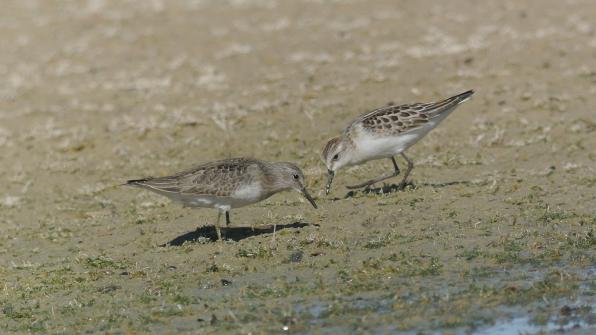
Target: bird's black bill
330	175
309	198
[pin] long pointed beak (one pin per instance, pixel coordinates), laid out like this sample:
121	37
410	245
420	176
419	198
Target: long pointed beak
330	175
308	197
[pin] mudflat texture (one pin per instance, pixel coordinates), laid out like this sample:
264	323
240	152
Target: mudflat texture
496	233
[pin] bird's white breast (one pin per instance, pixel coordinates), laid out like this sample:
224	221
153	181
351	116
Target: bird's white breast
244	195
371	146
249	192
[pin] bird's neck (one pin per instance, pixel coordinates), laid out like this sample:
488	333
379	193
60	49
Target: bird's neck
275	179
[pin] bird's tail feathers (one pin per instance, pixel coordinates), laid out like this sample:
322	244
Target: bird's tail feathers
136	182
448	104
462	97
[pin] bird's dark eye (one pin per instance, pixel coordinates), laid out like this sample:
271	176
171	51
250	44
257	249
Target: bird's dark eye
336	157
296	176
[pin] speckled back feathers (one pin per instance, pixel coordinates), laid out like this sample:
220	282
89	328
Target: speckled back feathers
393	120
220	178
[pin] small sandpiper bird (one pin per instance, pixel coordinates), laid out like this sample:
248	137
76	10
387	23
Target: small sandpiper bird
227	184
384	133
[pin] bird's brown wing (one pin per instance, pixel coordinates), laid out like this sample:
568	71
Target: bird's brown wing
393	119
404	118
219	178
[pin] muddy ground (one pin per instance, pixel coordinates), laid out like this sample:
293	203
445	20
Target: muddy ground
495	234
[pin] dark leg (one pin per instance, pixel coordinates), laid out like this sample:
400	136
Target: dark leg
227	218
402	184
381	178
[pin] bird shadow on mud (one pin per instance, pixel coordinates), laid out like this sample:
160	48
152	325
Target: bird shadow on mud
232	233
391	188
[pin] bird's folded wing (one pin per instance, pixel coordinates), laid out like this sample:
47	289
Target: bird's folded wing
219	178
400	119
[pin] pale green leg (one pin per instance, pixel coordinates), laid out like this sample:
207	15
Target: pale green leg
217	228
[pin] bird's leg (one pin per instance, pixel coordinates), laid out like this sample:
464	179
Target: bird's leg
378	179
217	229
402	184
228	218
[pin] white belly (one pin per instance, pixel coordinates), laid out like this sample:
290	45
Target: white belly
372	147
246	195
